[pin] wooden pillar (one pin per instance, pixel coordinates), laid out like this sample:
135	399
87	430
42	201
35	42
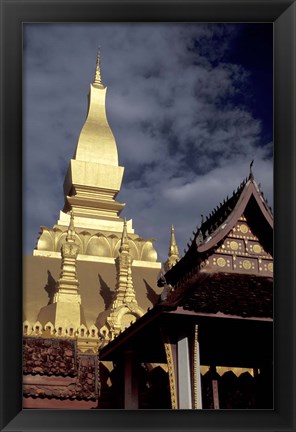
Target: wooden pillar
184	375
131	394
215	394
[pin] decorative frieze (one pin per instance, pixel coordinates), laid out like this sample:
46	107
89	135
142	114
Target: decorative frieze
88	338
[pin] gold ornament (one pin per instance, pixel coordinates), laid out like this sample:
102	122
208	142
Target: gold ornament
243	228
246	264
221	262
257	248
233	245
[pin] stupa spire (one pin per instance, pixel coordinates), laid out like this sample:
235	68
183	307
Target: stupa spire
173	255
94	178
91	185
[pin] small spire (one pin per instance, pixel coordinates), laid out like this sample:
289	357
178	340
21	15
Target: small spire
173	250
124	246
251	175
71	229
98	79
173	255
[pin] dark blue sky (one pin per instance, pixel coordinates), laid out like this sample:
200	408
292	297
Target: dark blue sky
190	105
253	49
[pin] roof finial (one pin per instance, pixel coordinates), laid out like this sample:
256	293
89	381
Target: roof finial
98	79
251	175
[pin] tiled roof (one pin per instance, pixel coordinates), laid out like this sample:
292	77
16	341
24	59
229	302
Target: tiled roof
228	293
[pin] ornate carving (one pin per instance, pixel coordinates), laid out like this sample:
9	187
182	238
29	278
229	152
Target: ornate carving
70	250
87	338
171	370
195	371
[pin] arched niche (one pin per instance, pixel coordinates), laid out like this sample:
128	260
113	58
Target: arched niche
98	246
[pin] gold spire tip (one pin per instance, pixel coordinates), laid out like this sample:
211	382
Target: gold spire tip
98	78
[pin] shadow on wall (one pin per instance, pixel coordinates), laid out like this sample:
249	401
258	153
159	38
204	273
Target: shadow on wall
108	296
151	295
106	293
50	287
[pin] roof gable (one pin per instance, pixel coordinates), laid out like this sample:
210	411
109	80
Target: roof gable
247	201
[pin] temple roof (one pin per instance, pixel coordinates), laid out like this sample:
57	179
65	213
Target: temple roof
224	216
248	202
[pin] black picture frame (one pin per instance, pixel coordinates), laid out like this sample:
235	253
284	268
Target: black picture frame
13	14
